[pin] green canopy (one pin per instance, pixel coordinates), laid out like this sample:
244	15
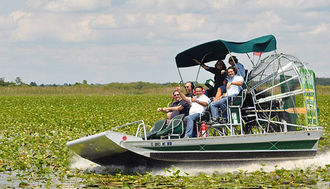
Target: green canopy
218	49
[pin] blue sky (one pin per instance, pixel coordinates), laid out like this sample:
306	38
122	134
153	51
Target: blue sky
103	41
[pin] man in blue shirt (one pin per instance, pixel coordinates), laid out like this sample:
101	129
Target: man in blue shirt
233	89
239	67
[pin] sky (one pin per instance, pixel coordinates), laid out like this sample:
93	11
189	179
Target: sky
104	41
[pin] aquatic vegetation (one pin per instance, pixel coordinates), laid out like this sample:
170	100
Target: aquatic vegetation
35	129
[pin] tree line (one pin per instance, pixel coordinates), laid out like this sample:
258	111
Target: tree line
18	82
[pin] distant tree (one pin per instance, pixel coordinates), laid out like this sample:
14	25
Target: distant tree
2	82
18	81
322	81
33	83
84	82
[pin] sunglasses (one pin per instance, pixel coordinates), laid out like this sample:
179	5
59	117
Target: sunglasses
186	86
176	94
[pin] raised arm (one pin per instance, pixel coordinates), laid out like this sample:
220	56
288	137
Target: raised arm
178	89
238	83
201	64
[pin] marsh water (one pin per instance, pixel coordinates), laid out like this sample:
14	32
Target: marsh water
15	179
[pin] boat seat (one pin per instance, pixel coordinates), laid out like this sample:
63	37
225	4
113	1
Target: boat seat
234	115
205	116
174	128
234	105
158	126
236	100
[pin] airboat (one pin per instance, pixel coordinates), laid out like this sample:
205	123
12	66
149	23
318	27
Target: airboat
274	117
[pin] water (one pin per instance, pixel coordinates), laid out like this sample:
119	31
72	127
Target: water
78	162
321	159
250	166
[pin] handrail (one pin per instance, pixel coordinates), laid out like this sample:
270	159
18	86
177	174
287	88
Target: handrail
294	125
137	130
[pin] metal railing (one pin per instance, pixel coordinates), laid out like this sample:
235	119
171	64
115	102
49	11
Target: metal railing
141	126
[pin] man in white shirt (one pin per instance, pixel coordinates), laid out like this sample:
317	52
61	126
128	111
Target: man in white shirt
198	106
233	89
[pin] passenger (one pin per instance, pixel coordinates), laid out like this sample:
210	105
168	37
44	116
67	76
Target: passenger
233	89
221	90
178	107
198	106
240	70
189	86
219	71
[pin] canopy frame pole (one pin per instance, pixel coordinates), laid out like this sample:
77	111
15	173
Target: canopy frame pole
180	75
199	68
250	59
259	59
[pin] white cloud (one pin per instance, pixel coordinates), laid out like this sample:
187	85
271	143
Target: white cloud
220	5
16	15
182	22
270	22
35	27
320	29
290	4
103	21
9	22
69	5
5	23
189	22
133	18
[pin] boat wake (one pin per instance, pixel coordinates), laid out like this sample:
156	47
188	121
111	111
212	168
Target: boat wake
321	159
78	162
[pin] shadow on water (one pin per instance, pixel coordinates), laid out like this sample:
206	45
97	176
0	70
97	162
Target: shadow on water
194	168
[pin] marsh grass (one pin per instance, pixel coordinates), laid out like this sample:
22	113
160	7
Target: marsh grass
82	90
323	90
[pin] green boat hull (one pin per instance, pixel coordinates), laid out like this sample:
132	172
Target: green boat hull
117	148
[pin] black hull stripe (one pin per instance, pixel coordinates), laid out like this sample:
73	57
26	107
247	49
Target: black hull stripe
128	159
283	145
231	156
